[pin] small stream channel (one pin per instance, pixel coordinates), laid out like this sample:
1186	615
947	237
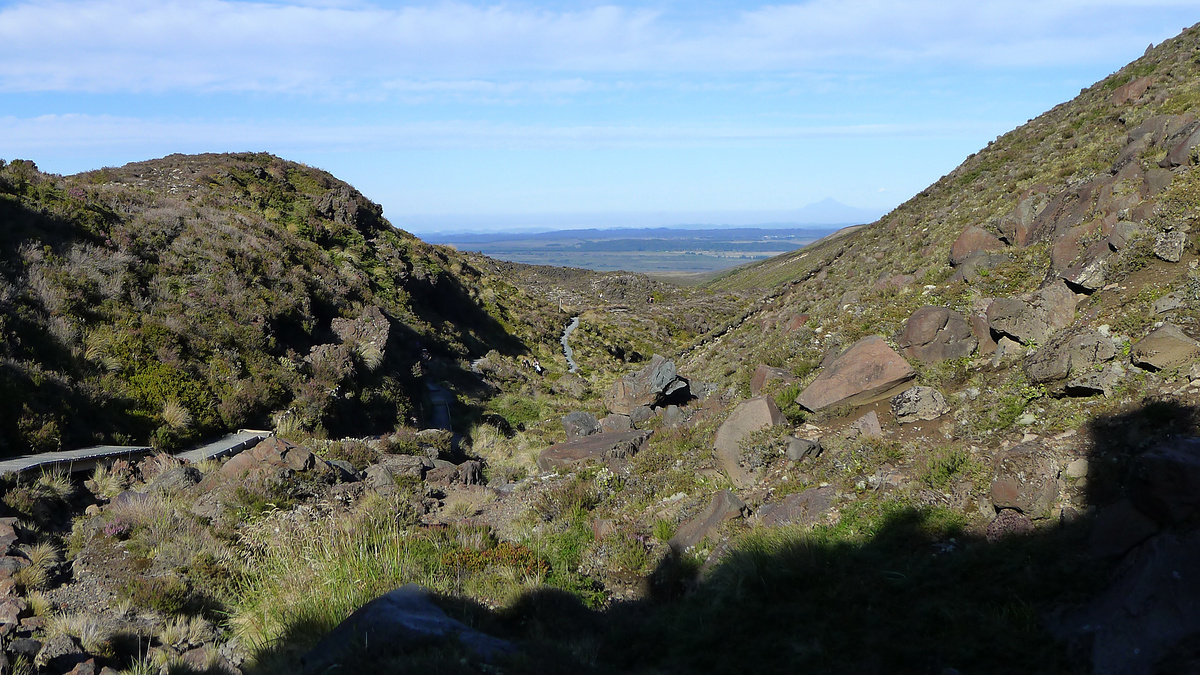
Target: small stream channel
567	351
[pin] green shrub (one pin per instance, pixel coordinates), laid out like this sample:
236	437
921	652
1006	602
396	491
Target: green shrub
166	594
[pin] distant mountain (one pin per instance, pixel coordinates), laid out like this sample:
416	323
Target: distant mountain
833	212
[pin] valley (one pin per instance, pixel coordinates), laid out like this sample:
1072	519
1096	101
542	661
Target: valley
964	438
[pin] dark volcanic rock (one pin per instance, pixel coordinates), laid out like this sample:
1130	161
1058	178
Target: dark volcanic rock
764	374
1167	486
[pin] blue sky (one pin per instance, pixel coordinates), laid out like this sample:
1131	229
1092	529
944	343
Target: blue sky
467	115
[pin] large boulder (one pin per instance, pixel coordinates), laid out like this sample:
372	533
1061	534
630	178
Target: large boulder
868	371
1035	316
748	417
935	334
1026	479
1169	245
725	506
399	619
604	448
973	240
1166	348
647	387
919	403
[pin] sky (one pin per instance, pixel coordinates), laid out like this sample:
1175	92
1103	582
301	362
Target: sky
476	116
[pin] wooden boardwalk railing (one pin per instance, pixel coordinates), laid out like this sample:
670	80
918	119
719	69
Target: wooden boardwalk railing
86	459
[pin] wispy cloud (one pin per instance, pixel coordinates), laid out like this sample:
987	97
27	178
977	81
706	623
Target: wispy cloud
80	132
334	47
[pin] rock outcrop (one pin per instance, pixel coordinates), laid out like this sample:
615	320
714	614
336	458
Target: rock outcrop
1033	317
649	386
1166	348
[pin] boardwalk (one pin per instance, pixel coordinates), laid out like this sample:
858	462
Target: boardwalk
86	459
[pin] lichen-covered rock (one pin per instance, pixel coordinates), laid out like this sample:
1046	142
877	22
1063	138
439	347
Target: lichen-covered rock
579	424
919	403
1169	245
1026	479
868	371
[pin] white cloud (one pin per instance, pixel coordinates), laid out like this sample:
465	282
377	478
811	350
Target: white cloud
339	48
80	133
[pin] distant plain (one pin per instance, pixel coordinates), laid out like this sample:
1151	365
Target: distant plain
657	251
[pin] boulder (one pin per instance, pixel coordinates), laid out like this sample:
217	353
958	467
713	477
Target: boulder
398	619
175	479
1131	91
868	371
1165	348
1170	302
1169	245
1026	479
802	448
749	416
919	403
970	268
1167	484
803	508
1076	354
647	387
1095	382
972	241
764	374
867	425
1183	151
935	334
616	423
1145	613
273	452
1035	316
570	385
605	448
640	415
1117	528
579	424
725	506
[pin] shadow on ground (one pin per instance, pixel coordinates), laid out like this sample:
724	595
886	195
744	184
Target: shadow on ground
891	588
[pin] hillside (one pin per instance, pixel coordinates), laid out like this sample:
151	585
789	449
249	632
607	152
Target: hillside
168	300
